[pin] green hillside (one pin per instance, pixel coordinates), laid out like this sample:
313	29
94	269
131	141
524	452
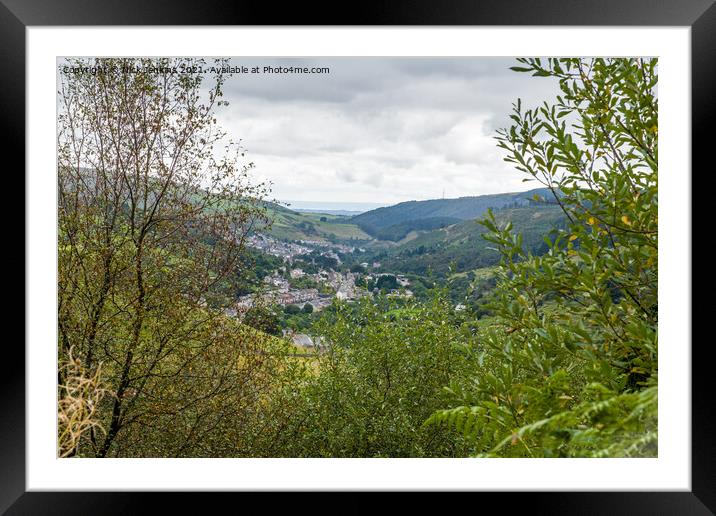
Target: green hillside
461	245
291	225
395	222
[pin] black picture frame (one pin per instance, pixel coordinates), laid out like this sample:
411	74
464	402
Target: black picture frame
700	15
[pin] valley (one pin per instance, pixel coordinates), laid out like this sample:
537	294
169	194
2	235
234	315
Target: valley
309	259
199	318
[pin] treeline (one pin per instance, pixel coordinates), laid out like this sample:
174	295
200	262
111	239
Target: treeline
462	208
462	247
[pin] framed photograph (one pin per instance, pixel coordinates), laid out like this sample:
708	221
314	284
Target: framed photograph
416	249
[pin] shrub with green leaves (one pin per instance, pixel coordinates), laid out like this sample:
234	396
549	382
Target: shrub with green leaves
380	376
570	367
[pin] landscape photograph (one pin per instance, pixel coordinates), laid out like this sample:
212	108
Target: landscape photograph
357	257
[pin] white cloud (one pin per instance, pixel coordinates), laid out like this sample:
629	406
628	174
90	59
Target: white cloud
380	129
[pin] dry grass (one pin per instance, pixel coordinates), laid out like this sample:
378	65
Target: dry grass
79	397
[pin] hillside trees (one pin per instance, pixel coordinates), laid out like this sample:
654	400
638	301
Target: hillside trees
154	208
571	367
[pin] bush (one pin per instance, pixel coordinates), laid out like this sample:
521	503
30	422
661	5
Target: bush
382	375
263	319
386	282
570	366
292	309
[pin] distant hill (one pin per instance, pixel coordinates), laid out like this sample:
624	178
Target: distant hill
348	213
463	245
288	224
395	222
407	222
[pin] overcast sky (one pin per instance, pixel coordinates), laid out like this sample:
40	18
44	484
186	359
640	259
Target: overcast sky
379	130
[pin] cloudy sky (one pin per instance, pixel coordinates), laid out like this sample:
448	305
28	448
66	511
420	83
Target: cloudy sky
379	130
